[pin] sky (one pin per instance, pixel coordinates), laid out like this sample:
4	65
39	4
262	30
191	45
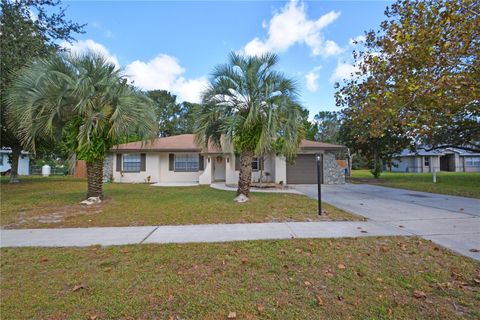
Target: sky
174	45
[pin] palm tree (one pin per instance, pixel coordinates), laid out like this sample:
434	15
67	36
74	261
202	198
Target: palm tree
84	100
252	106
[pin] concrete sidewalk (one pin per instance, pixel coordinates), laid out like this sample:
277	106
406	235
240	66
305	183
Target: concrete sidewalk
450	221
80	237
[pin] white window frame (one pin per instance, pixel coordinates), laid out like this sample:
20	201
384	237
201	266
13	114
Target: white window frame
256	160
186	162
131	159
426	161
472	161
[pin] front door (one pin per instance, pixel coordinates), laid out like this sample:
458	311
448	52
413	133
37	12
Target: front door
444	163
219	168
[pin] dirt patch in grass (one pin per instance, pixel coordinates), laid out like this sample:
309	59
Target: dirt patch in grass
54	202
54	215
365	278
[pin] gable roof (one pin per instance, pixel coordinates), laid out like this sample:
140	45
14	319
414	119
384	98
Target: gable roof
186	143
309	144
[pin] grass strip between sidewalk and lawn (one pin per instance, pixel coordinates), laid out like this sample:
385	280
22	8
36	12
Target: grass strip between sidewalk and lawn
364	278
465	184
53	202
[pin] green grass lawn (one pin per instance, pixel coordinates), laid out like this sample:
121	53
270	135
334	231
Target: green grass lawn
54	202
453	183
365	278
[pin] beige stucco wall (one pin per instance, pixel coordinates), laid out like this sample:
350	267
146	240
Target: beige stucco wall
173	176
280	170
156	167
206	176
151	166
231	176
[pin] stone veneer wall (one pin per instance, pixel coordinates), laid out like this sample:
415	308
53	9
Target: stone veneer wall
108	168
333	174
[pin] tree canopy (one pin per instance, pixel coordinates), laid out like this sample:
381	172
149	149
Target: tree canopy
417	79
253	106
29	29
173	118
85	100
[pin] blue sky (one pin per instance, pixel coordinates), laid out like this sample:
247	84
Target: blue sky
175	45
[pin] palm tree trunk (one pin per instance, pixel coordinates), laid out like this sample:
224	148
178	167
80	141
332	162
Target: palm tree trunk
95	178
245	175
16	152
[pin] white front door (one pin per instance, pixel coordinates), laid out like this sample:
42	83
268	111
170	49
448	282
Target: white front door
219	168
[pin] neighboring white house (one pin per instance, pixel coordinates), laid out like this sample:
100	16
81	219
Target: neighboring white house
180	159
448	159
23	162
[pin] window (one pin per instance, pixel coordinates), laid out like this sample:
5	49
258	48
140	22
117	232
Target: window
427	161
255	164
186	162
1	159
472	161
131	162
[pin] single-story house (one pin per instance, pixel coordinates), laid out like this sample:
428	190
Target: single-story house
180	159
448	159
23	162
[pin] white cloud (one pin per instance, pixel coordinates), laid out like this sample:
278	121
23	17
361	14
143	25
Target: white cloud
85	46
343	71
291	26
311	79
164	72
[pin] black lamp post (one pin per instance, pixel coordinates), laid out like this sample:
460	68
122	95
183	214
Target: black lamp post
318	158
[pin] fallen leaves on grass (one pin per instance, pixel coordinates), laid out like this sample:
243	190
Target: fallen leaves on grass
419	294
261	307
307	283
328	272
124	250
77	287
384	248
341	266
319	300
44	259
232	315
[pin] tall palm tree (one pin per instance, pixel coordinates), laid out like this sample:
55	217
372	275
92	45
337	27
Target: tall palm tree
254	107
85	100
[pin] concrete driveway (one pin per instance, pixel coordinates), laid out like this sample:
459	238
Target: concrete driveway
453	222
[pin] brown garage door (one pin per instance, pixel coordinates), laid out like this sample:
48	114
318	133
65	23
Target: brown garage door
304	170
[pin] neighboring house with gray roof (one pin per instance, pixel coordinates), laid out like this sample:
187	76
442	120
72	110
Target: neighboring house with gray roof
448	159
23	162
178	159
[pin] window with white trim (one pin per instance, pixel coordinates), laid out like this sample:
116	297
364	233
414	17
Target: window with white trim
186	162
427	161
472	161
131	162
255	164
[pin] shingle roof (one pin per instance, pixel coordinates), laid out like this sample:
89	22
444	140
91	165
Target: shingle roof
186	142
309	144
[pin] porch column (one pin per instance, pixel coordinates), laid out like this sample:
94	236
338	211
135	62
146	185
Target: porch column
280	170
206	176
